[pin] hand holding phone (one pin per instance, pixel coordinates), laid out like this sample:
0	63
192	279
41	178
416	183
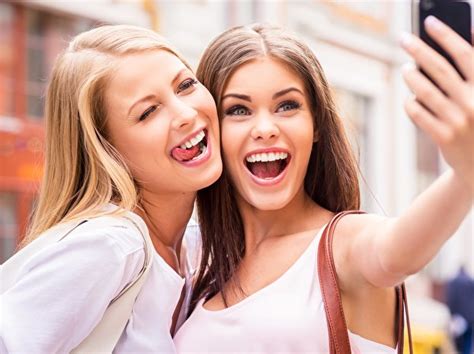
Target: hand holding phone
443	106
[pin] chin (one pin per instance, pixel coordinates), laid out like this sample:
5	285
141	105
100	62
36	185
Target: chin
211	174
269	202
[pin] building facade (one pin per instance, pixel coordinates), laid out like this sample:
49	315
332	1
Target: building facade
32	34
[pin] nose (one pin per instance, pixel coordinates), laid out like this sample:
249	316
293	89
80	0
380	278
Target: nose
183	114
265	127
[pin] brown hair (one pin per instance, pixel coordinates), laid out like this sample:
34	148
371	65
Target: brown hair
331	179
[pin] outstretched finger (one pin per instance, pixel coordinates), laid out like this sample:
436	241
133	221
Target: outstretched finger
435	65
459	49
422	118
431	97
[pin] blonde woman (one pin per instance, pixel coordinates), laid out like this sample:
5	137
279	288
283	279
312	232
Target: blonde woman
131	137
288	170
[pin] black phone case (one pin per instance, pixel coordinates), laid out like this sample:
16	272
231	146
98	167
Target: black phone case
456	14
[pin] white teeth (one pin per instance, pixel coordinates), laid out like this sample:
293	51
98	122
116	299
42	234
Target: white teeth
193	141
265	157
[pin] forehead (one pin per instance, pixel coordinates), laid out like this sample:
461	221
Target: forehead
264	73
138	74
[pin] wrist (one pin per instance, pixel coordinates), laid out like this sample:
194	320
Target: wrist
466	185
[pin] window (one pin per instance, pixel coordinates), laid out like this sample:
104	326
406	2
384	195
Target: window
36	73
47	36
353	109
6	60
8	225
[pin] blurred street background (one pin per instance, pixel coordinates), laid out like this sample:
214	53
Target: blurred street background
356	43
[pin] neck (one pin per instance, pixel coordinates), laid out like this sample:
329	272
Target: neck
166	216
299	215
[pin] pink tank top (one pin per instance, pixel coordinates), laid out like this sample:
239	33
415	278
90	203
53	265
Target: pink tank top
287	316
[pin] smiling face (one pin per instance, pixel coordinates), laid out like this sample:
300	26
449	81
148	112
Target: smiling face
163	122
267	133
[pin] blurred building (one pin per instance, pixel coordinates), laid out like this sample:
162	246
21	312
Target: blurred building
31	36
355	41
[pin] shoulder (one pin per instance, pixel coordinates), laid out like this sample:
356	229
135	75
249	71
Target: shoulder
124	232
352	235
70	281
100	242
352	227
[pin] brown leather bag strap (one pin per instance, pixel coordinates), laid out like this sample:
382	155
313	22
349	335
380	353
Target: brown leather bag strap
399	322
407	319
337	326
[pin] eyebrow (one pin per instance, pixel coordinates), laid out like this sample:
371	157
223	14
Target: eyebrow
285	91
275	96
239	96
150	97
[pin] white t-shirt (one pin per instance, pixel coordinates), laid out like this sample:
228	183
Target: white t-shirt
286	316
63	291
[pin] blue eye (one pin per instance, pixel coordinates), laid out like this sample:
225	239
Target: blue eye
288	106
237	110
186	84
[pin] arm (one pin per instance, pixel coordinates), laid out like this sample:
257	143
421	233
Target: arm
64	290
384	251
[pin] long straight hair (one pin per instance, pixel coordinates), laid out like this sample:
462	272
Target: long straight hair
331	179
83	171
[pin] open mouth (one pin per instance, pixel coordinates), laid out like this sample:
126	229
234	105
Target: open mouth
268	165
192	149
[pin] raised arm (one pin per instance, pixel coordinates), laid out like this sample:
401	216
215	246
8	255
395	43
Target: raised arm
384	251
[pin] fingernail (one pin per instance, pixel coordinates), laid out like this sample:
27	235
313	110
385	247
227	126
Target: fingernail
433	23
406	40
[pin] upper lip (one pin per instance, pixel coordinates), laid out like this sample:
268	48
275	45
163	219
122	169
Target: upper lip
192	135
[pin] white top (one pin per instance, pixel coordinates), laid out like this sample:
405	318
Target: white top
287	316
63	291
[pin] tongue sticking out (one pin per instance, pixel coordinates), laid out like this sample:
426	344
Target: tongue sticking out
185	154
266	169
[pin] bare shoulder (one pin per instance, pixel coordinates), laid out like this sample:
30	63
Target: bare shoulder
353	224
353	237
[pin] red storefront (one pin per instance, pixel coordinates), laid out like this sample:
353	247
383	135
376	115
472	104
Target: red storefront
30	40
21	146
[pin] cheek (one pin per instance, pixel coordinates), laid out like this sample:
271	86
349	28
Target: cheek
231	143
206	104
305	131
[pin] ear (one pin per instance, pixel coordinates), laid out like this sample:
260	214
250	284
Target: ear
316	136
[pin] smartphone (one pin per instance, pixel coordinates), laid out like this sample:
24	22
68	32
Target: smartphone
455	14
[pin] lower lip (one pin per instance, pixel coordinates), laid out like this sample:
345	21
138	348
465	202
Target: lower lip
202	158
269	182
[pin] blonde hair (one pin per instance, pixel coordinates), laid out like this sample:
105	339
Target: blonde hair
83	171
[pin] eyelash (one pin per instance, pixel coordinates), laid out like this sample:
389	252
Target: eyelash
148	111
186	84
293	105
232	110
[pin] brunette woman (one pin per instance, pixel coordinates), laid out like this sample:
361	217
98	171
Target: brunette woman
288	170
